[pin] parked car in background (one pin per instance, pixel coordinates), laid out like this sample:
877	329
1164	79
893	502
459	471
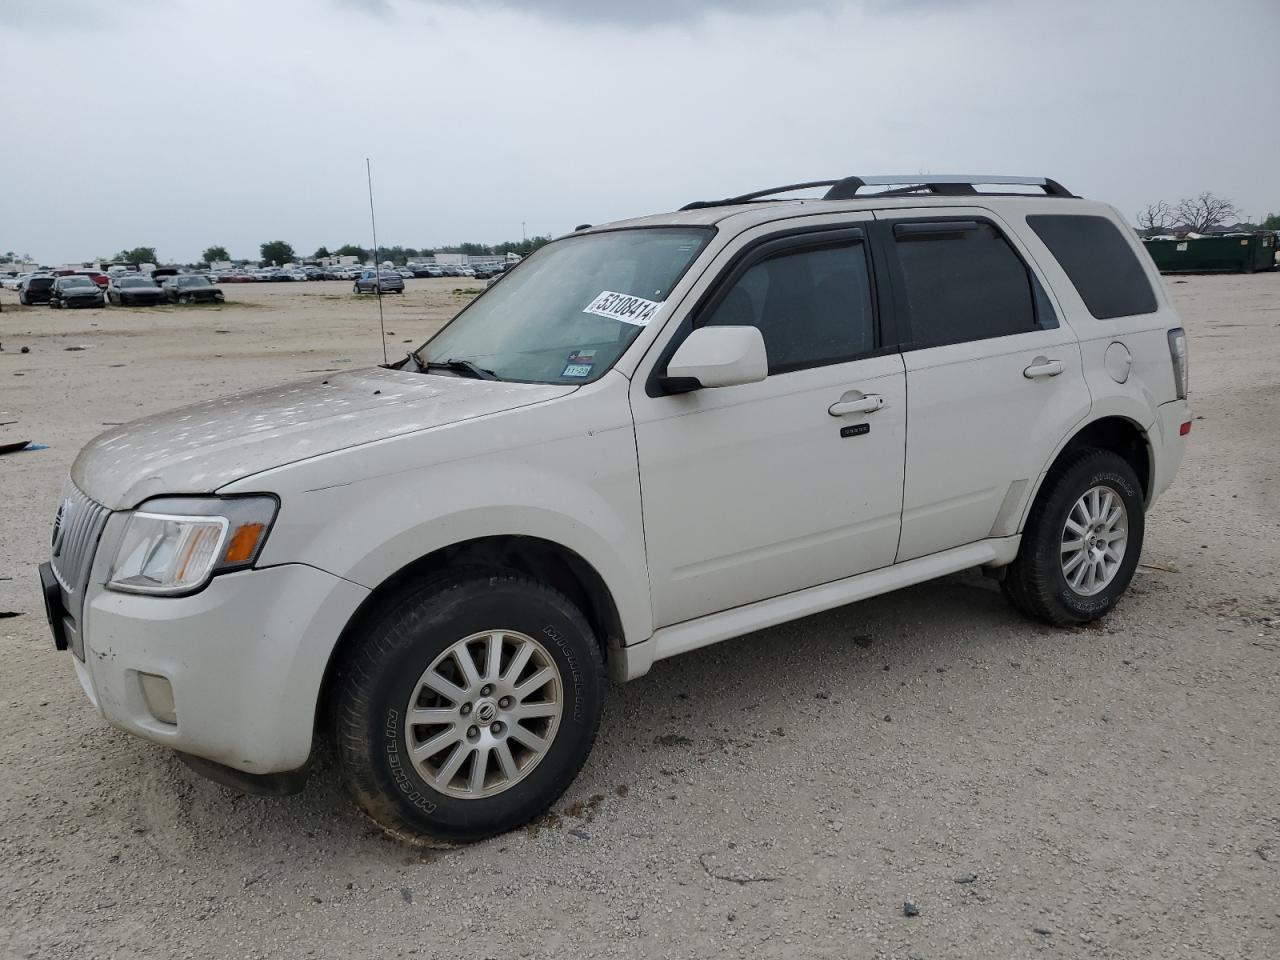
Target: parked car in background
98	277
191	288
15	281
132	289
370	280
296	274
36	288
314	273
76	291
405	273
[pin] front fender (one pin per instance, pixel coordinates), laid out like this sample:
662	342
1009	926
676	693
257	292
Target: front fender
389	504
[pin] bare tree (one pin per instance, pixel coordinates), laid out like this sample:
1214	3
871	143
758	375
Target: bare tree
1155	217
1201	214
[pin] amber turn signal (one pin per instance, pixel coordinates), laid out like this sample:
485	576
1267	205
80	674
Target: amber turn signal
243	542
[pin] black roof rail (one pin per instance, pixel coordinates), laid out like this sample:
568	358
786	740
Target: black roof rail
899	184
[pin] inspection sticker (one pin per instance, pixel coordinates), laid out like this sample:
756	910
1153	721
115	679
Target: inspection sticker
623	307
579	363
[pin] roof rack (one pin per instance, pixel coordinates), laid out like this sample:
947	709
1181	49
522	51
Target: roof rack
901	184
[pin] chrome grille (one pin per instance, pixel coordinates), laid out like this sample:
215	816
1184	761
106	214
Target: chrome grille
76	530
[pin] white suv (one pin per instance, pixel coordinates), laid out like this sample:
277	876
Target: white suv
651	436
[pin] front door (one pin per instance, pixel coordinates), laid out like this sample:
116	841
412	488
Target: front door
757	490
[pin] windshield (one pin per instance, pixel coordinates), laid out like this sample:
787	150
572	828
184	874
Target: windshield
77	282
193	282
571	309
135	282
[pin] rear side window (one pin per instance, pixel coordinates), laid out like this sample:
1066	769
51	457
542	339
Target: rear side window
964	282
1100	262
812	306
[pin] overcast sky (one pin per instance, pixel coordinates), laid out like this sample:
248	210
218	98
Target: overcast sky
180	124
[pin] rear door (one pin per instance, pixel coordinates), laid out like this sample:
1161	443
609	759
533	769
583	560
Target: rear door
994	379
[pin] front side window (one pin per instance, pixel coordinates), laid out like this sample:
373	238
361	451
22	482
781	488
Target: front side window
962	281
812	306
571	309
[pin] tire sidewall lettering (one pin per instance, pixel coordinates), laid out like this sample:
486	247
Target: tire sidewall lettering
575	673
395	766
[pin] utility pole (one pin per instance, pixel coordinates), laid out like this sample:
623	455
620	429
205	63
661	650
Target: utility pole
523	236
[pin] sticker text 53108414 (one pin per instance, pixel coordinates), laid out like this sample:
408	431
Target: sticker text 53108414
623	307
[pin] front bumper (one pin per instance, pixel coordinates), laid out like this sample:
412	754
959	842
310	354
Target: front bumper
245	658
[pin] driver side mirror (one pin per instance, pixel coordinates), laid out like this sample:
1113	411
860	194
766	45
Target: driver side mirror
717	357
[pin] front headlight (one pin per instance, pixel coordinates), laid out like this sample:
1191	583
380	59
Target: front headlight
175	544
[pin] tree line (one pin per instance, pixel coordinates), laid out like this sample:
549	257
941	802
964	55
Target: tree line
281	251
1198	214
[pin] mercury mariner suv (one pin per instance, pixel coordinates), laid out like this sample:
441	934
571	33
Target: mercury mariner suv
649	436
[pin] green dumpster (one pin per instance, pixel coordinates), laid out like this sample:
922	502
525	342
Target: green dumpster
1226	253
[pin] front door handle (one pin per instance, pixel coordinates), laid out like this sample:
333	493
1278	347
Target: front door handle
1042	367
868	403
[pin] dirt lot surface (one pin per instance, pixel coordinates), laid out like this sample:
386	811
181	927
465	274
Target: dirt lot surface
1104	792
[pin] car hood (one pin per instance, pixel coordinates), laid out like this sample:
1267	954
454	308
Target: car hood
200	448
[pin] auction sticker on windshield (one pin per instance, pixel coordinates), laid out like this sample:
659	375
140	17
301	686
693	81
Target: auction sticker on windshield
622	307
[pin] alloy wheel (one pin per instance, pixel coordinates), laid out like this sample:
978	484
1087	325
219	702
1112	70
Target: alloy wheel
484	714
1093	540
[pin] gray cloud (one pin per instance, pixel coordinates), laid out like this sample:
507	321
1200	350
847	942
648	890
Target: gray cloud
483	118
625	12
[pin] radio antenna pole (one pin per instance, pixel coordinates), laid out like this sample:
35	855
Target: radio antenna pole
377	270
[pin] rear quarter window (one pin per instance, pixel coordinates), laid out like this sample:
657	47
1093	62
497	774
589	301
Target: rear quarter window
1100	263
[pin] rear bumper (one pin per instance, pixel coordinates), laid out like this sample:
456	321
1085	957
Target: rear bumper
244	659
1168	444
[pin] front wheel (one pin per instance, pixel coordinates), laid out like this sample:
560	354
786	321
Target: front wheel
468	706
1082	540
356	288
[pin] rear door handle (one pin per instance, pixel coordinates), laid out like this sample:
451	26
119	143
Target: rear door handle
1042	367
868	403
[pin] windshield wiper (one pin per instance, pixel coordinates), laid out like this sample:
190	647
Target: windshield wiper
460	366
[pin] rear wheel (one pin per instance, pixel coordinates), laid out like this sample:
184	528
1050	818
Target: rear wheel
184	299
468	707
1082	540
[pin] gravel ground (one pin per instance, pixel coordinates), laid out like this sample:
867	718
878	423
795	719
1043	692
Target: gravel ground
1104	792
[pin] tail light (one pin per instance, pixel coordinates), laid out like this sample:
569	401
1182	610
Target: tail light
1178	352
